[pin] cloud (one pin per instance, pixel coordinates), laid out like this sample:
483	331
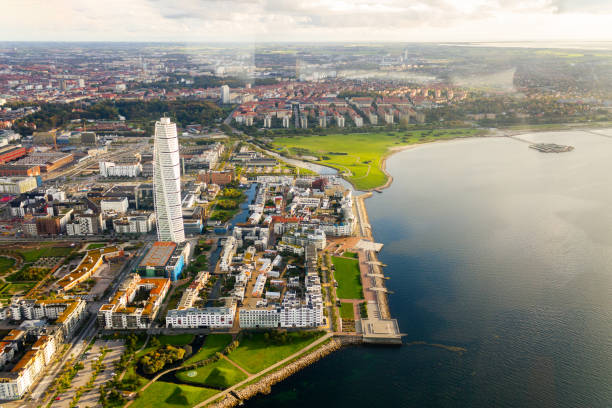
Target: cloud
582	6
305	20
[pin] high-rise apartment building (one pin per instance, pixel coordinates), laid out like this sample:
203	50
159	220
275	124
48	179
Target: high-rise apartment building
167	183
225	94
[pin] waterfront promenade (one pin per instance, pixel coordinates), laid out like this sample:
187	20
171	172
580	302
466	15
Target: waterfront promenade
378	327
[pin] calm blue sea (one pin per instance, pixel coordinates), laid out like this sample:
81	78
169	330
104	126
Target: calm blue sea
496	248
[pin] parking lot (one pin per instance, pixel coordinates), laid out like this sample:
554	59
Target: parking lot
90	398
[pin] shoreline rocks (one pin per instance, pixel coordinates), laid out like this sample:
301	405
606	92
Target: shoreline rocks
265	383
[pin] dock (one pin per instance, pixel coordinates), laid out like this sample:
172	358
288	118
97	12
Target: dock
379	327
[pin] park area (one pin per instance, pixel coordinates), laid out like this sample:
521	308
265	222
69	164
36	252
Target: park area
22	267
220	375
359	156
211	364
258	351
348	276
172	395
347	311
214	343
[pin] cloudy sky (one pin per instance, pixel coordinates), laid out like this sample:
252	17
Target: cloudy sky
306	20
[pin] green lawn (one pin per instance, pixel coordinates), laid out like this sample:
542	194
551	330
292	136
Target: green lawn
347	311
358	155
131	374
6	264
96	245
176	339
348	276
220	374
212	344
32	255
256	353
18	287
172	395
350	255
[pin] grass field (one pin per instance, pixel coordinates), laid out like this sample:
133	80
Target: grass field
348	276
31	255
350	255
19	287
347	311
176	339
221	374
96	245
8	290
212	344
6	264
359	155
172	395
256	353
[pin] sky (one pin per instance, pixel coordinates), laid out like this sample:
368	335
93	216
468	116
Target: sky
306	20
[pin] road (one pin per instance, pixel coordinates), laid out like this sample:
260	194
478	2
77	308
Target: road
228	120
76	238
77	346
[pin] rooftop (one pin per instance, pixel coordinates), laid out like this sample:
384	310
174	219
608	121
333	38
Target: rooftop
158	255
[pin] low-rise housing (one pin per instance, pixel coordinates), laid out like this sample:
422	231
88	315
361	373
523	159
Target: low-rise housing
126	310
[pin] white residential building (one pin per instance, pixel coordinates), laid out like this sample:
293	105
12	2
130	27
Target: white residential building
17	185
305	236
134	224
259	318
213	317
225	94
117	205
86	224
301	316
110	169
229	249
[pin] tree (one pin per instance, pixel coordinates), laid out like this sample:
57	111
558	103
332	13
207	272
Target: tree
319	183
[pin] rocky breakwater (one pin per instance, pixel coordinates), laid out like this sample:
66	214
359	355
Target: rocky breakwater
265	383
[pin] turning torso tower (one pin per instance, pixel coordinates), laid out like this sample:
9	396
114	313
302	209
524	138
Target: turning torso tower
167	183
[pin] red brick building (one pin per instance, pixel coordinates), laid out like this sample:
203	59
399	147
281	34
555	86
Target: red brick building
216	177
19	170
10	153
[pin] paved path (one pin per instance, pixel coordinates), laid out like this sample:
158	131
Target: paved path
115	350
237	366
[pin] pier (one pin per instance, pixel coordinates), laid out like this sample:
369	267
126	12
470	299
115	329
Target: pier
379	327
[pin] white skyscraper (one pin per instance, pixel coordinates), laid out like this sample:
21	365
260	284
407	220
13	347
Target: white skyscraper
167	183
225	94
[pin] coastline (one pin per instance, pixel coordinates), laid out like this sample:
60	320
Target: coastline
493	133
263	384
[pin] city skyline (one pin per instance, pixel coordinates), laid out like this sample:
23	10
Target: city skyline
267	20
